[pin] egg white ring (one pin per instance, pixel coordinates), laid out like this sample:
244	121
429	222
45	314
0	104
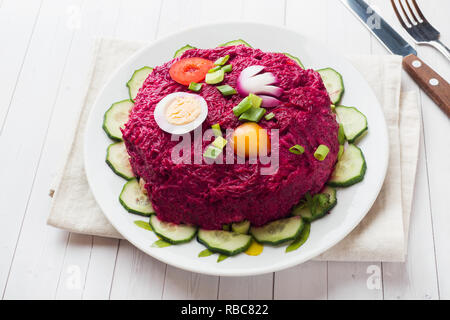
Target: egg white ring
160	114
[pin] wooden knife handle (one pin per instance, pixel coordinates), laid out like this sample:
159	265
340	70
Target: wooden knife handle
430	81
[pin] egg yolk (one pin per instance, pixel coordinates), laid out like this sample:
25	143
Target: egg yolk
249	140
183	110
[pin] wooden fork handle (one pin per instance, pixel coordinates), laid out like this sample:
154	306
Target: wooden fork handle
430	81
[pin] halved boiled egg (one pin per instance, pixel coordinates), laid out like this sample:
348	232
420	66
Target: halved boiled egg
180	112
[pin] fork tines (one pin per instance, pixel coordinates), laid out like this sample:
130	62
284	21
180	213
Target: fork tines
420	29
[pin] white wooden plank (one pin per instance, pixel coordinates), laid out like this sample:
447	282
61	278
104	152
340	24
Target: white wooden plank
305	281
264	11
37	238
351	280
137	275
180	284
101	269
17	22
138	20
76	263
246	288
436	135
23	134
181	14
416	278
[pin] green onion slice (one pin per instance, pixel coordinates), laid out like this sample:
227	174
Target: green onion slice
215	77
226	90
212	152
321	152
227	68
216	129
243	106
340	152
253	114
256	101
222	61
297	149
269	116
214	69
219	142
194	86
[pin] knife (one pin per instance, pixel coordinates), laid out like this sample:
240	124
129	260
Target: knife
429	80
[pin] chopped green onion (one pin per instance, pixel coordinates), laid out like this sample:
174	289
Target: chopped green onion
215	77
205	253
194	86
341	135
222	257
269	116
321	152
256	101
226	90
340	152
216	129
297	149
160	244
253	114
212	152
219	142
227	68
222	61
214	69
332	107
243	106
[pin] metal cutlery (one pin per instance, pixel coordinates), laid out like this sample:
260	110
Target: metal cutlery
429	80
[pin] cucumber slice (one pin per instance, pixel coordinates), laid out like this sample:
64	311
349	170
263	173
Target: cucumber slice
333	83
235	43
224	242
295	59
350	169
137	80
321	204
171	232
303	211
134	200
118	160
353	122
278	231
116	117
180	51
241	227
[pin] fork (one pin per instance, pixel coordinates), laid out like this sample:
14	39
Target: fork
419	29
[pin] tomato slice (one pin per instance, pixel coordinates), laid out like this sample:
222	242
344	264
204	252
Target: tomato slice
189	70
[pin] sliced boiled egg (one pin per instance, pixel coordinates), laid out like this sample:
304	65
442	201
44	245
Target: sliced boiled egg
250	139
180	112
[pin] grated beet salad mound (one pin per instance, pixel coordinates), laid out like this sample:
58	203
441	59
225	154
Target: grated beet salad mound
210	196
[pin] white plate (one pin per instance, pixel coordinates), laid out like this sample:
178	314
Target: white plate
353	202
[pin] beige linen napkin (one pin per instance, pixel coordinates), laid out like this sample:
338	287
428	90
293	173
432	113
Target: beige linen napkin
381	236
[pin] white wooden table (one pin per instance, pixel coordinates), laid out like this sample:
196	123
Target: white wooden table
44	59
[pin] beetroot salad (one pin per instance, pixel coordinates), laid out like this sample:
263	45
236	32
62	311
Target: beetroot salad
213	195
